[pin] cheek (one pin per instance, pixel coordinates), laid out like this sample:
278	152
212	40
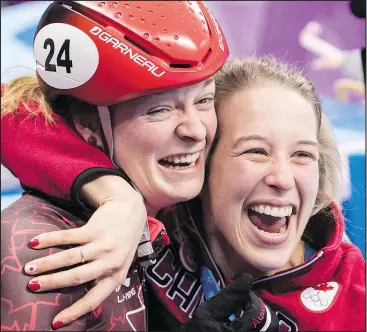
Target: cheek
244	176
139	141
232	179
209	120
308	183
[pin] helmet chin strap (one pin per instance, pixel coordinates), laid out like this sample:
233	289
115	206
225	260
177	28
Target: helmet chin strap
105	117
145	248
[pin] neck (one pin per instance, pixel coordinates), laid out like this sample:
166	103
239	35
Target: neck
151	211
232	265
297	258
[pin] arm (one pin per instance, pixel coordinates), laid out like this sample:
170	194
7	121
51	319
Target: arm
55	160
352	276
21	309
71	168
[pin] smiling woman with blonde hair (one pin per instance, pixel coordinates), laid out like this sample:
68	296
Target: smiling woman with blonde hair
270	201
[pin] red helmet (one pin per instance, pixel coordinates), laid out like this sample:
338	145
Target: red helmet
107	52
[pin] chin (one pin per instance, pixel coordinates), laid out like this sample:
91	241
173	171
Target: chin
269	266
184	196
189	190
174	196
268	261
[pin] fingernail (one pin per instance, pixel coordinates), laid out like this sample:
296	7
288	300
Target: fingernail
58	324
30	268
34	285
33	243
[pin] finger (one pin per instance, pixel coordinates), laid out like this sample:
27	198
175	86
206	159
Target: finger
227	301
87	303
58	260
80	235
73	277
259	311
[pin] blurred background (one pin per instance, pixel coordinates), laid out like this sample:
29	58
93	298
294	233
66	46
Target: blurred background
323	38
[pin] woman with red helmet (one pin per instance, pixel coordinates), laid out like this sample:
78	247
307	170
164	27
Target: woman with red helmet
134	79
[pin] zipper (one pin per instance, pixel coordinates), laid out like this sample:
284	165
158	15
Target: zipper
303	266
156	247
282	274
150	259
159	237
156	250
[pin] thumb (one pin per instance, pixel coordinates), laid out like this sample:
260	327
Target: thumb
227	301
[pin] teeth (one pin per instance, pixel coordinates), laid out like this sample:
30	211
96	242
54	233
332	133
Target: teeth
281	231
186	158
272	211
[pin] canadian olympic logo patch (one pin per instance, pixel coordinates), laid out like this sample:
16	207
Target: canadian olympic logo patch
320	298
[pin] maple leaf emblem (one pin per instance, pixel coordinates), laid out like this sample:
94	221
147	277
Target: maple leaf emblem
323	287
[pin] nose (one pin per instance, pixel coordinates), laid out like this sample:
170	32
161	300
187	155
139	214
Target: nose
281	176
191	127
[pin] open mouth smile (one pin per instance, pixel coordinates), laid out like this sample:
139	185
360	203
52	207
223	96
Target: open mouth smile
271	223
180	161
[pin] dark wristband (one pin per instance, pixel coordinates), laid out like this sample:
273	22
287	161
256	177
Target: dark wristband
91	174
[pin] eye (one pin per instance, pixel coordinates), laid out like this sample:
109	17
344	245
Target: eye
304	154
256	151
159	111
206	100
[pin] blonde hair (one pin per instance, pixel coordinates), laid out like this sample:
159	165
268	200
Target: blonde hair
252	72
25	92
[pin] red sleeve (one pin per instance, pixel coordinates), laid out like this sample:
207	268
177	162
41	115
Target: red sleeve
50	158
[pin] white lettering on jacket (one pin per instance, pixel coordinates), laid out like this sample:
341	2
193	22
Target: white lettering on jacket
126	296
180	284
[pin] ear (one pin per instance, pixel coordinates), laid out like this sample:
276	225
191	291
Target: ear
86	133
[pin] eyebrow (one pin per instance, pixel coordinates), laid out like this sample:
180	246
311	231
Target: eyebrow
308	142
208	81
247	138
263	139
142	98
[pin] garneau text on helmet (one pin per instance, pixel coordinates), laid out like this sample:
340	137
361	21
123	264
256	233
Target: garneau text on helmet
125	49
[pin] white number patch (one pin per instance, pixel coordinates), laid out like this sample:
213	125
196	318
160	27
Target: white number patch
66	56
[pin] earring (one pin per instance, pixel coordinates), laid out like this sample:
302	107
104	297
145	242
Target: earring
92	141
